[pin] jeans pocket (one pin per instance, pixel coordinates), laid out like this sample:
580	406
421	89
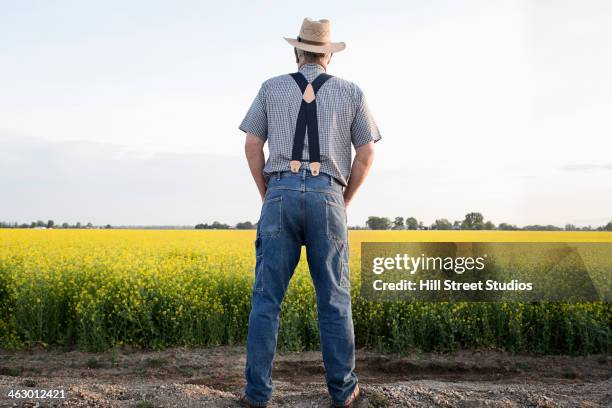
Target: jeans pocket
270	221
345	277
259	280
335	214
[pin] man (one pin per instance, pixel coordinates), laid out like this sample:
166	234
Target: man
310	119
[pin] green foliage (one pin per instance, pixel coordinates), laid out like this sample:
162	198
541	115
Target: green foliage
442	224
473	221
245	225
412	223
398	223
504	226
214	225
378	223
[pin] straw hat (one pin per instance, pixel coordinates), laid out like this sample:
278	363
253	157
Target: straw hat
315	36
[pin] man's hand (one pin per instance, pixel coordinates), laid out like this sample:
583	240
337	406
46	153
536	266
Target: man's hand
364	156
253	149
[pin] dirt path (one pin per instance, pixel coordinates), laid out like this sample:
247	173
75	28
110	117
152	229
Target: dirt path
182	377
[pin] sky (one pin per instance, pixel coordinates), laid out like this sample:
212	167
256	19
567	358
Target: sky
127	112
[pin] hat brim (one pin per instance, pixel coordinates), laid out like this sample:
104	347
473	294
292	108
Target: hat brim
322	49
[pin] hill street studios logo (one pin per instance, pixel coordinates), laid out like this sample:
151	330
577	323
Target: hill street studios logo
447	271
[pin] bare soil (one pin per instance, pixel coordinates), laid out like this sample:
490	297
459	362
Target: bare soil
183	377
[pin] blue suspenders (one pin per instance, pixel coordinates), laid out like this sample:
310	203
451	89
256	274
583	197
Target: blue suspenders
307	119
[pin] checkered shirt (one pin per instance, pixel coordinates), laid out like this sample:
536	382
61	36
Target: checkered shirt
342	113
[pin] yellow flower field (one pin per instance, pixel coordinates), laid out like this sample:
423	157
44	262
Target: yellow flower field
157	288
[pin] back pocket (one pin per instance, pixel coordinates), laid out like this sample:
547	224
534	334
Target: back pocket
258	285
336	221
271	216
345	276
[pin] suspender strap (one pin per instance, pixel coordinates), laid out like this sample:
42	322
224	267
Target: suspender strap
319	81
300	126
301	80
307	119
314	154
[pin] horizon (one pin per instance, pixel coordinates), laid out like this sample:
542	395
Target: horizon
428	225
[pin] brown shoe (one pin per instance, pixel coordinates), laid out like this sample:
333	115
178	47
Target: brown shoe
246	403
354	400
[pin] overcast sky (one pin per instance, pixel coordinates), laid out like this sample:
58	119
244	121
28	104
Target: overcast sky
127	112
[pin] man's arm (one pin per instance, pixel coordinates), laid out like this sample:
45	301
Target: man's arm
253	149
361	166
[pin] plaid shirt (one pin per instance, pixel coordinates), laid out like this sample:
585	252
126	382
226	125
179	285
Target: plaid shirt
342	113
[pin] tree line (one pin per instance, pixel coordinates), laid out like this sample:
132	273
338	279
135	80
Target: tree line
49	224
218	225
52	224
471	221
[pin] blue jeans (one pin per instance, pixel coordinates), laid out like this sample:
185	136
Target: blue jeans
301	209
